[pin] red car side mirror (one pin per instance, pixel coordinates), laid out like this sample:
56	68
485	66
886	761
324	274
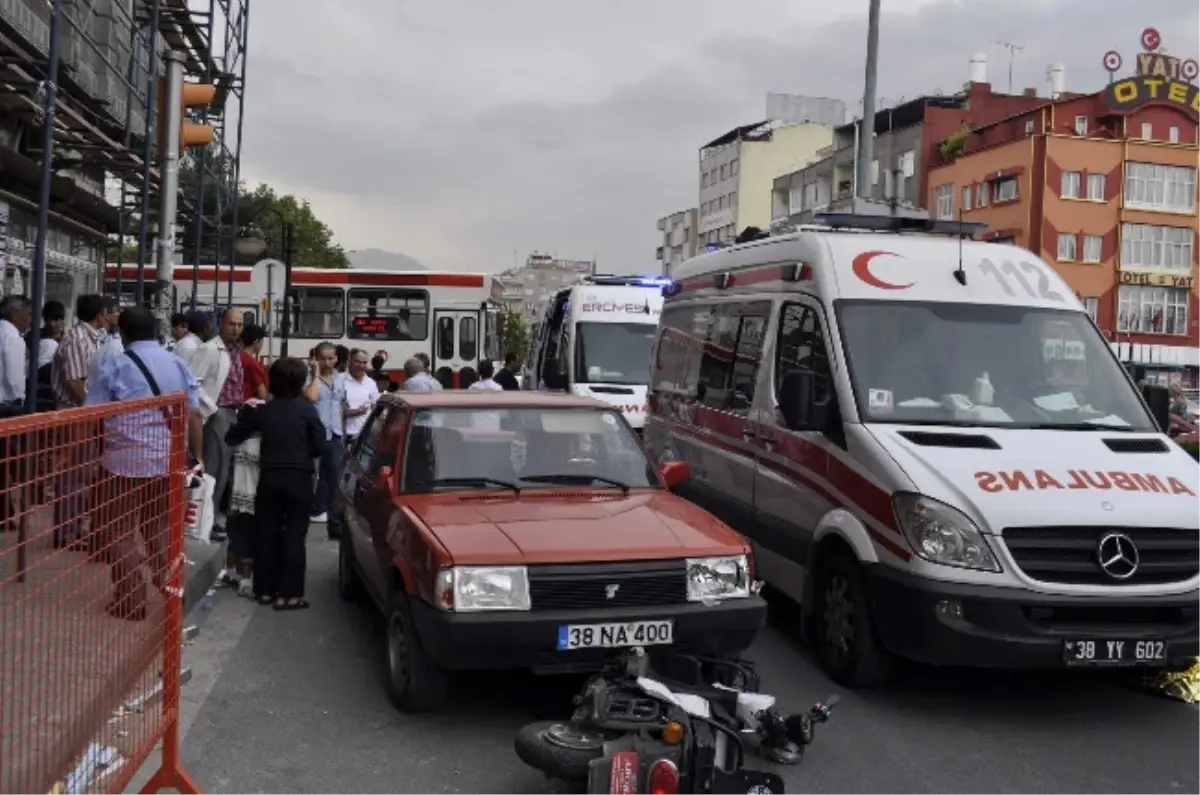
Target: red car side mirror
387	479
674	473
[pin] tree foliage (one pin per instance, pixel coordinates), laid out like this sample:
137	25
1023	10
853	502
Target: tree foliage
516	335
313	245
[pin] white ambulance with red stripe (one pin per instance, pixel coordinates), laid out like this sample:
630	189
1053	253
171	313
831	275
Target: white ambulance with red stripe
595	341
932	448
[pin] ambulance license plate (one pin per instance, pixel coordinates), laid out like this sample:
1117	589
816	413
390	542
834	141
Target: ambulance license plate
1114	652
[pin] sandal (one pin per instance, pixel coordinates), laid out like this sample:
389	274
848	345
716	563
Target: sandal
292	604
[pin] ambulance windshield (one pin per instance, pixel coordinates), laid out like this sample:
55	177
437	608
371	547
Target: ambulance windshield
946	364
613	353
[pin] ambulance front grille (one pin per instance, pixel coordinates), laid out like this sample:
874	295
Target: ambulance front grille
1071	555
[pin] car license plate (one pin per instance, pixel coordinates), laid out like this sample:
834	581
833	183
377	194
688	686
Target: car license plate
615	636
1114	652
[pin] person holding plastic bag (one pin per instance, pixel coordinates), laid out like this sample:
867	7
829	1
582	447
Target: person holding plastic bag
243	533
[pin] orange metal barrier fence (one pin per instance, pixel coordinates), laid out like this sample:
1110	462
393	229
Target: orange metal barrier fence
91	596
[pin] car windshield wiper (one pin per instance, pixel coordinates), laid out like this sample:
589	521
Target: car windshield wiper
471	482
579	478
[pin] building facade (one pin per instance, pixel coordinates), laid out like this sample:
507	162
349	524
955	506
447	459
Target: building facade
907	137
679	236
738	169
1103	187
527	288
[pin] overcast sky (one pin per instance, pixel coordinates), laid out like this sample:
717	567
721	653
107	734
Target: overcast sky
467	132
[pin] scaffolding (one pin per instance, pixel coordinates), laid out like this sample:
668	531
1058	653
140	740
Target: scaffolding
109	56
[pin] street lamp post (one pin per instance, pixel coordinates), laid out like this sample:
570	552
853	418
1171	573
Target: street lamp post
252	243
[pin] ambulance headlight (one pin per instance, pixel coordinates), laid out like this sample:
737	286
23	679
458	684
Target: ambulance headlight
942	534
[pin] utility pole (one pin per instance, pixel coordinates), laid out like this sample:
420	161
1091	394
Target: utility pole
172	124
1013	49
866	138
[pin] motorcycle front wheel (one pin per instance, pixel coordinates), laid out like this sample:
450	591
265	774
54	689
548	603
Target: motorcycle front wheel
559	748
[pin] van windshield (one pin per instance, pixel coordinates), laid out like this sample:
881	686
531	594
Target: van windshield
1001	366
613	353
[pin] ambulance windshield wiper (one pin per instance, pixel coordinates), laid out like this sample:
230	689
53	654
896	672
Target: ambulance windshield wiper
1081	426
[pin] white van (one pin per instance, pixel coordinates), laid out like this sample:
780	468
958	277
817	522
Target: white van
595	341
932	448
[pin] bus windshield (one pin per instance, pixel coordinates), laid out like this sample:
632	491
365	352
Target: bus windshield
613	353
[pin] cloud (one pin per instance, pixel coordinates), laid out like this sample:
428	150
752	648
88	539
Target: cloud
460	132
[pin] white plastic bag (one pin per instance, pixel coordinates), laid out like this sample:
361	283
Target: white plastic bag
198	521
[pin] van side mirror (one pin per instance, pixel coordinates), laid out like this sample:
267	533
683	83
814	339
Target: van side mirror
1158	398
387	479
674	473
798	404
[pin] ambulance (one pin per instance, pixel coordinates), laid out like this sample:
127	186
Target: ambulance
595	339
932	448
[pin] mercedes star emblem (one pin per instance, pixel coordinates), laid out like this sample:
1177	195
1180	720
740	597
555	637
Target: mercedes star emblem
1117	556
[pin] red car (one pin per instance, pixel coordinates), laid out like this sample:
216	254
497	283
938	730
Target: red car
527	530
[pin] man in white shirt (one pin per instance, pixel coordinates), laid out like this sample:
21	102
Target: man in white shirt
200	329
487	372
16	313
361	394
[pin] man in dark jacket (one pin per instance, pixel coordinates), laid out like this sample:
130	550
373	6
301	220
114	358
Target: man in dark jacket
505	378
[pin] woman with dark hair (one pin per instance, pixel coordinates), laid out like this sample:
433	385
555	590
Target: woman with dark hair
292	436
343	358
54	322
254	378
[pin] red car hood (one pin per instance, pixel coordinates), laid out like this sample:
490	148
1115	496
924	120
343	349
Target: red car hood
544	528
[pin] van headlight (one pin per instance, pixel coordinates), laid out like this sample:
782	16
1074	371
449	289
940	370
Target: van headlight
472	589
942	534
718	578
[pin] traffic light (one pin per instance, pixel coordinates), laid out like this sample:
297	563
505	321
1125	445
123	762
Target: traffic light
193	96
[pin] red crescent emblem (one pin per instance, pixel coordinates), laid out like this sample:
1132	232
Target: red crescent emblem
862	269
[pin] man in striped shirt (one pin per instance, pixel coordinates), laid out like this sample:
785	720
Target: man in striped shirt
68	376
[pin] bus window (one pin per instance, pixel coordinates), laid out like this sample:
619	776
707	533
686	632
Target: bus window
318	312
445	338
388	314
468	342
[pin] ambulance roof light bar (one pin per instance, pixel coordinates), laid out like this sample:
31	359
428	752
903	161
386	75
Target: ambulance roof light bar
627	281
895	223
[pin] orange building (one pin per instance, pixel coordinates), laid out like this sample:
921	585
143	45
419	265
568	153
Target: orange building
1103	187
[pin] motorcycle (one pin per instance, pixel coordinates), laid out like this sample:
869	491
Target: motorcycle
671	723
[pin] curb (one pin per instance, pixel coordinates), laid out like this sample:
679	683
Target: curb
201	579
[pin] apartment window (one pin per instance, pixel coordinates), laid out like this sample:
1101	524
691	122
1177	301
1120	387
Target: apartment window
1147	131
1173	135
1152	310
966	197
1153	187
704	180
1081	125
1029	127
1096	186
733	199
1161	247
1092	307
981	194
724	171
908	163
1070	184
1067	244
1005	189
721	203
1092	245
733	167
796	200
945	202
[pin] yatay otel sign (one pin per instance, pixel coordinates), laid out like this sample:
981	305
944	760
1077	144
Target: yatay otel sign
1161	78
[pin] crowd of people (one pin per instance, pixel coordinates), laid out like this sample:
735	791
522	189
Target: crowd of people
271	440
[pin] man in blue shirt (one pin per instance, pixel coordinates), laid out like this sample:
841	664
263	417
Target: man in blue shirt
416	379
133	495
327	389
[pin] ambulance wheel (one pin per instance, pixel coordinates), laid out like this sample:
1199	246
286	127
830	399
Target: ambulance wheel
846	641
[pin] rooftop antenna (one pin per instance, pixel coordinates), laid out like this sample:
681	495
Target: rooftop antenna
1013	49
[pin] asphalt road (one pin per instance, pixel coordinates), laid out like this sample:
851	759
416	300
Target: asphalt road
293	702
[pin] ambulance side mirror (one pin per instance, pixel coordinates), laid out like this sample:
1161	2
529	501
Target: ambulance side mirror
1158	398
798	405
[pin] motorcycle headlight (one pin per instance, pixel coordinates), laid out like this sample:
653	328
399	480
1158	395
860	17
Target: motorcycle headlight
468	589
718	578
942	534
